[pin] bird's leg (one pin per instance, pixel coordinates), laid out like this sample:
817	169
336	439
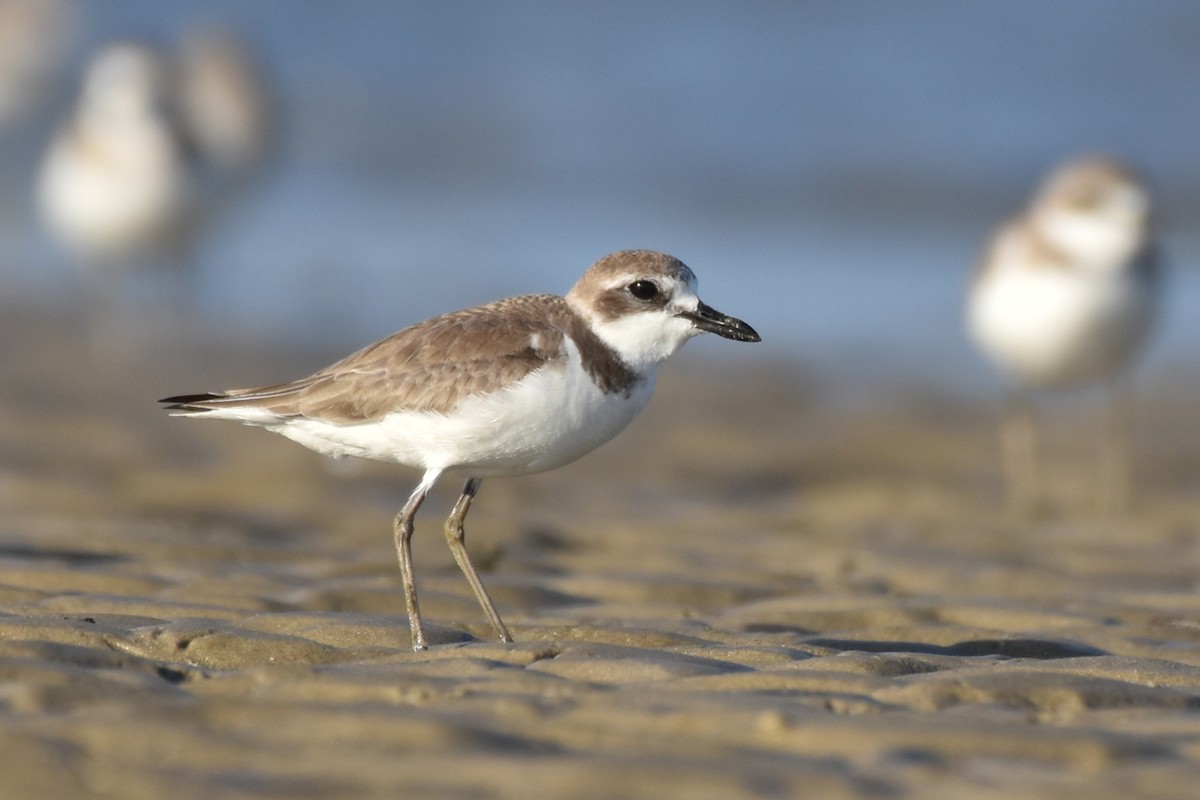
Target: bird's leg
456	537
402	530
1018	445
1116	473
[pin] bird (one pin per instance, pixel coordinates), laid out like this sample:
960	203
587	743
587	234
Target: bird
36	37
513	387
1065	297
117	186
226	103
159	141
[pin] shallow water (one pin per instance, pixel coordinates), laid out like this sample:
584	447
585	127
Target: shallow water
830	173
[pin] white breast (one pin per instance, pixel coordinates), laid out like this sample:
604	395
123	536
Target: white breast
114	196
550	418
1056	326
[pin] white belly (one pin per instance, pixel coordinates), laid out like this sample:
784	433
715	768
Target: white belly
548	419
1060	327
111	205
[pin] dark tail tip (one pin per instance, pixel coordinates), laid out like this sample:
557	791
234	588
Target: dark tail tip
188	402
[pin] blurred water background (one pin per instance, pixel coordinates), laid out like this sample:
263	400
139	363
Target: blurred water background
829	169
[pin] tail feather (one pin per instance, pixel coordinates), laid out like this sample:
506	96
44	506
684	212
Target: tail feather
245	408
264	405
191	403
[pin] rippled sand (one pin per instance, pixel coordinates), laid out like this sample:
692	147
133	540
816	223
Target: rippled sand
757	591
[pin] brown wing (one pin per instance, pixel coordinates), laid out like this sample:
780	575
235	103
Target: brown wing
431	366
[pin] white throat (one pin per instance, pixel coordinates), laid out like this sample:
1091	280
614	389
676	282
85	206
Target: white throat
647	338
1097	242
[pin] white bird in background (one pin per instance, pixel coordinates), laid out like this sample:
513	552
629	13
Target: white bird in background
118	184
152	146
1065	297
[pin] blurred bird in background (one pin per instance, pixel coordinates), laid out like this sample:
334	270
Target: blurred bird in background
154	146
225	104
119	183
35	36
1065	297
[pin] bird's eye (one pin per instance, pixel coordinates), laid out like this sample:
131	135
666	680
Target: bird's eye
643	290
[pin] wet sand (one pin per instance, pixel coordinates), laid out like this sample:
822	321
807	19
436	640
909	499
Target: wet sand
759	590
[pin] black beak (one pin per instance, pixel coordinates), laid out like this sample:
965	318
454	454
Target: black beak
707	318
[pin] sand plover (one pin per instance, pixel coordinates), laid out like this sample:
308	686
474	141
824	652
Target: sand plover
36	37
117	185
157	142
225	103
510	388
1065	297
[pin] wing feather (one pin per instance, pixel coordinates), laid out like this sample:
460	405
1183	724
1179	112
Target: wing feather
431	366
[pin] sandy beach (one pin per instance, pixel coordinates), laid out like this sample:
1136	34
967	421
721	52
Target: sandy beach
761	589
